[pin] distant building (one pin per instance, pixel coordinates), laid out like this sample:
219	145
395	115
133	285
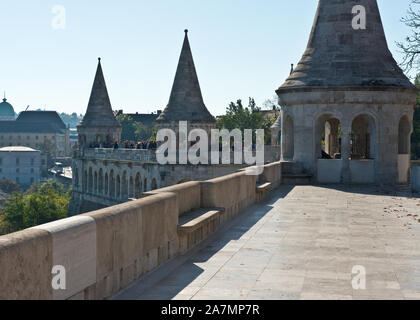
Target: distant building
20	164
36	129
7	113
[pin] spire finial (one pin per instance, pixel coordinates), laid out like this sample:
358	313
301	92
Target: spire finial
186	31
99	59
4	99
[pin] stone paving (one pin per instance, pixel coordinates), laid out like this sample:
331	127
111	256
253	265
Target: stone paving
303	244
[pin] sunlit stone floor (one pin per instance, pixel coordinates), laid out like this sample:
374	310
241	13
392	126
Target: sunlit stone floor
302	244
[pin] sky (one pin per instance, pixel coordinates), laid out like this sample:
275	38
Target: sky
241	49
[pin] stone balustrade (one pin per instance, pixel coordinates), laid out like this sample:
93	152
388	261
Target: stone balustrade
104	251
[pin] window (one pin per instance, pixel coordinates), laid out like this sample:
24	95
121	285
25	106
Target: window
19	137
17	179
32	170
32	161
32	180
17	170
1	170
27	137
1	137
17	161
10	137
36	137
1	161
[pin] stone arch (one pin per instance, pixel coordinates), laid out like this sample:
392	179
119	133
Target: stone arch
131	188
118	187
124	187
112	184
101	181
137	186
90	181
288	143
95	183
404	134
328	137
363	137
154	184
85	178
106	185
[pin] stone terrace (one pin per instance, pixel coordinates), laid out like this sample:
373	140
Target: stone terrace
302	244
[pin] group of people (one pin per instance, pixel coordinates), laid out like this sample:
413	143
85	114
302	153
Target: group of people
140	145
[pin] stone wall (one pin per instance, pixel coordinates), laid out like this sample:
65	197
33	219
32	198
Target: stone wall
106	250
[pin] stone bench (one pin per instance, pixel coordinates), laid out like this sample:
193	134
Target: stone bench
195	226
263	189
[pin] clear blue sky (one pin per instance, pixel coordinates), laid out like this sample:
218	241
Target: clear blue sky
241	48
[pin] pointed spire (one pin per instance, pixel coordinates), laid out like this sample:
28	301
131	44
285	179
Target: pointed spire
338	55
186	101
99	110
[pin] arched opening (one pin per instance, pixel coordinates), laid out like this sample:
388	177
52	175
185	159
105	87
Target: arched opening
328	149
363	138
85	178
95	183
118	187
145	184
112	184
288	137
154	184
90	183
124	191
101	182
131	188
106	184
137	186
404	149
404	134
328	137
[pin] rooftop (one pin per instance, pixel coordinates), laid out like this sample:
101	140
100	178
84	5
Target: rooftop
17	148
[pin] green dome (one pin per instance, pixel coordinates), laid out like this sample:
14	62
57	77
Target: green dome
6	109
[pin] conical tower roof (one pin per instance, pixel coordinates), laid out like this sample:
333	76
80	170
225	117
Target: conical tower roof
186	102
338	55
99	110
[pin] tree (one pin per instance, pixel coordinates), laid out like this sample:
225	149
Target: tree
411	46
43	203
143	132
240	117
128	127
9	186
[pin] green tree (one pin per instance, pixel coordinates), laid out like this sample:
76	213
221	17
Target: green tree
143	132
9	186
128	127
240	117
43	203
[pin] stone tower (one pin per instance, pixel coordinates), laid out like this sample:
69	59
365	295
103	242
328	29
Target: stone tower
347	108
99	125
186	101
